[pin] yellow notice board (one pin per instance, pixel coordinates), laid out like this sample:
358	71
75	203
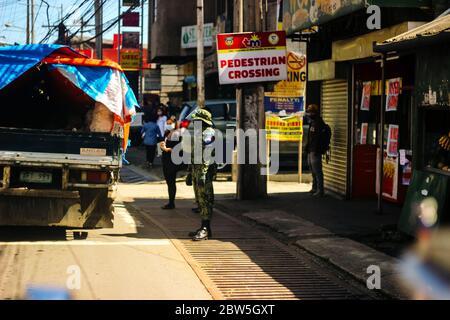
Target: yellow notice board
284	129
129	59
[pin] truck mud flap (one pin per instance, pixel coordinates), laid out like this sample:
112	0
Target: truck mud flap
92	209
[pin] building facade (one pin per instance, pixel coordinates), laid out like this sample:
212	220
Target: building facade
341	64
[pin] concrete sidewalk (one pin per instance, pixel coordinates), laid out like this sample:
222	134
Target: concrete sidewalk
327	228
348	234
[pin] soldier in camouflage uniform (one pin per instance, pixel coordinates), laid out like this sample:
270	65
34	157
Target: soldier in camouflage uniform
203	174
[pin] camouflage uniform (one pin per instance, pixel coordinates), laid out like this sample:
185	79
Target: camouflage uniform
203	173
202	177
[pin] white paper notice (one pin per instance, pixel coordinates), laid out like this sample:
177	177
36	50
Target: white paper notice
403	159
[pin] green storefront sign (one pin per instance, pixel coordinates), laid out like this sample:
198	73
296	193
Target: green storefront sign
303	14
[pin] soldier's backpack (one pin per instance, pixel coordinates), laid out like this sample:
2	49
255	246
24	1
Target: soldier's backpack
325	139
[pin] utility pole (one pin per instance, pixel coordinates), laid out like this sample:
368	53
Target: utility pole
119	9
98	29
28	23
251	184
32	21
141	56
200	57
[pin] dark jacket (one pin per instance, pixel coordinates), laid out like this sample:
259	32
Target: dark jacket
315	133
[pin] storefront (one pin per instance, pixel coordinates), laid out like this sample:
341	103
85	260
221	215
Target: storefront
355	117
428	199
397	114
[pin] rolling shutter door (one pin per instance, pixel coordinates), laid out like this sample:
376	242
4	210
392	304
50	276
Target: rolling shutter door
334	97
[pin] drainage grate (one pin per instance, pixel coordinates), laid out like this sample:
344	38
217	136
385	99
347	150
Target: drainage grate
242	262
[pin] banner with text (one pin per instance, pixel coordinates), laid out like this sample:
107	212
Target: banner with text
289	95
284	129
251	57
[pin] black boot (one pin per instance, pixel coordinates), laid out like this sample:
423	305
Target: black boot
203	233
168	206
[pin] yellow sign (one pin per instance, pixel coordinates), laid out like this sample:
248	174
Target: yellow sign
289	95
284	129
129	59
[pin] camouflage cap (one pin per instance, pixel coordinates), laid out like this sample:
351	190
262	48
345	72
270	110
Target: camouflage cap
203	115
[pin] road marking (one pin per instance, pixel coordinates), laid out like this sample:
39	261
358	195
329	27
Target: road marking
159	242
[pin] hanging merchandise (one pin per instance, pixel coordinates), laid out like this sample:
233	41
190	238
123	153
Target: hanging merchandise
393	92
366	92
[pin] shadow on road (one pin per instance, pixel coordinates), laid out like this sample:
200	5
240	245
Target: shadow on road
14	234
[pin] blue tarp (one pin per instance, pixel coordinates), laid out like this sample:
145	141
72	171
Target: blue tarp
16	60
103	84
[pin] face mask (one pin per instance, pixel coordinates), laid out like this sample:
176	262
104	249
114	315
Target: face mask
170	126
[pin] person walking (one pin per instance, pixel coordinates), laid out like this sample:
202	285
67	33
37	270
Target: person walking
152	135
317	145
170	169
203	172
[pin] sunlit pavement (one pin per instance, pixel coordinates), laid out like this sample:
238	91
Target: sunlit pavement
135	260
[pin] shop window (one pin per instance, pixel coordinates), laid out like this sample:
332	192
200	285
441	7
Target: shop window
436	140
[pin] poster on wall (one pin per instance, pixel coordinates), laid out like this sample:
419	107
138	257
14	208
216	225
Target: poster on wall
392	142
365	100
284	128
289	95
364	132
393	92
390	177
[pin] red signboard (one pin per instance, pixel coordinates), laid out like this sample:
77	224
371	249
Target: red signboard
131	19
250	40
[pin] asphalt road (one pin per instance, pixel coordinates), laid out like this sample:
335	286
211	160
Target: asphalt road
132	261
147	255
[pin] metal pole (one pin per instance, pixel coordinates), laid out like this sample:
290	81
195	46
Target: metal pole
98	29
141	56
381	141
81	34
200	57
32	22
28	23
119	9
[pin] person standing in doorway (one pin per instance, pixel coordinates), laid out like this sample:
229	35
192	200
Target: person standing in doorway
151	135
317	145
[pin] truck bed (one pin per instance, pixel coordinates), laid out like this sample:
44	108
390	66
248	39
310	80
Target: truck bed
58	147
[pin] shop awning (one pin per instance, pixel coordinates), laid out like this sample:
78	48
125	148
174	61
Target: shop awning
430	33
101	80
301	15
